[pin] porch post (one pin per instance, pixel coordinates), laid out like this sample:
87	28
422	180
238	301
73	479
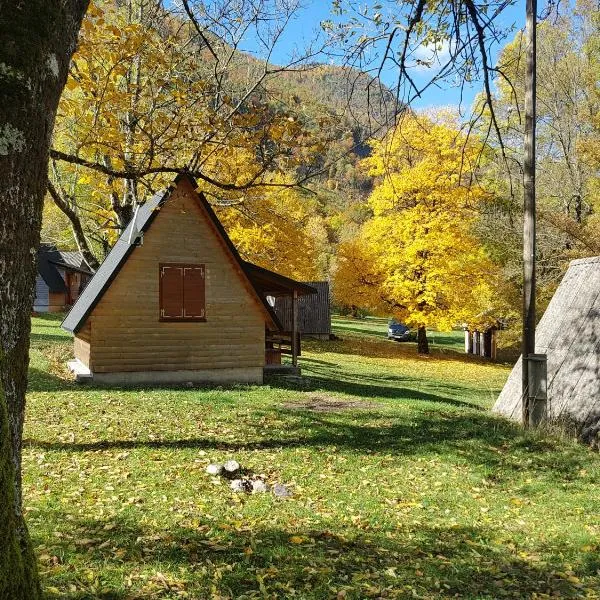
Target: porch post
295	328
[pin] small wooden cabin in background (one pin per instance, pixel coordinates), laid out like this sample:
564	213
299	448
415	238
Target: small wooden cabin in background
175	302
482	343
314	311
61	277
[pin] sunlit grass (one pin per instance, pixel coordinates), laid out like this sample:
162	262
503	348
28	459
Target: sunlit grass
412	490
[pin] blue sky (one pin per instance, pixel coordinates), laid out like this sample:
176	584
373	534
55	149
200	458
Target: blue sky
307	21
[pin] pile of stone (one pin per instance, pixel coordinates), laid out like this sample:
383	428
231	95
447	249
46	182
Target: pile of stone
250	484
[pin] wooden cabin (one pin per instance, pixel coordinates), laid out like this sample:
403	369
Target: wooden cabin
314	312
61	277
174	302
482	343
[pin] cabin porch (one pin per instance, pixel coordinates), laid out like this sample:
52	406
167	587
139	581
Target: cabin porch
278	342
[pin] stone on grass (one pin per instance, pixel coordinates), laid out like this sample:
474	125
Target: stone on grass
259	486
231	466
282	491
241	485
214	469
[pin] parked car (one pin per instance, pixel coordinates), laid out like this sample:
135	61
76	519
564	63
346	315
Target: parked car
399	332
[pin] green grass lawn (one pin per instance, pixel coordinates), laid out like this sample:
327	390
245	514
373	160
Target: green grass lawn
377	327
405	485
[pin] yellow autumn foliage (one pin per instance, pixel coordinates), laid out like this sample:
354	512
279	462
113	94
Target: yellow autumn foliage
416	258
139	97
279	229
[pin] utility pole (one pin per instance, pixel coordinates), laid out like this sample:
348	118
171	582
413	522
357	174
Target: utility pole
529	217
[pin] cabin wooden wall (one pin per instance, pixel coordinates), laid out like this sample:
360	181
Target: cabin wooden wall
40	304
82	351
126	334
314	311
82	343
56	302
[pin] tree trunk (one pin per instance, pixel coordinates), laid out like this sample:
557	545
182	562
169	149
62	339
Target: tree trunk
76	227
422	341
38	39
18	570
123	210
578	208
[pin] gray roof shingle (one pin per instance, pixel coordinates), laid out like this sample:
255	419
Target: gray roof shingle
111	265
49	258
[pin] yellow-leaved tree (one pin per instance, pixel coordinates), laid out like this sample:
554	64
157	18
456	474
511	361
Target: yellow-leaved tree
416	258
279	229
142	100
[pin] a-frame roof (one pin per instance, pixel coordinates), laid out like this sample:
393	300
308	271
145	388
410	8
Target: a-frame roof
145	215
48	261
569	334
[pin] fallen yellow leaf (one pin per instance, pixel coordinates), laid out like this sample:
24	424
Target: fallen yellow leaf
297	539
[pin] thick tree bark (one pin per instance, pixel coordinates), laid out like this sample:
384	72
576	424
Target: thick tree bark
422	341
123	209
38	39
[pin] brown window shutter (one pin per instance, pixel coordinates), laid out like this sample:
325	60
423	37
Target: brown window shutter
194	305
171	292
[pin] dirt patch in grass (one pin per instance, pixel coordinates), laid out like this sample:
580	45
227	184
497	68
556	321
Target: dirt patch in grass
326	403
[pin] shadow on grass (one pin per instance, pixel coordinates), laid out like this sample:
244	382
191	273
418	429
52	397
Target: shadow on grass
495	446
45	339
363	387
328	376
54	319
367	330
374	347
40	380
423	561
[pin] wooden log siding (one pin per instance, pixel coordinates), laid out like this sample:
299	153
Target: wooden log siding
314	313
126	332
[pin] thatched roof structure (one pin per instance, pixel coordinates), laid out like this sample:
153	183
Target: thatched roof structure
569	333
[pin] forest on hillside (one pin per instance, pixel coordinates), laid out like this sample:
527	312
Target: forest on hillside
316	172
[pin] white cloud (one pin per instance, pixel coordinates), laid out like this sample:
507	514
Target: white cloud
441	113
427	57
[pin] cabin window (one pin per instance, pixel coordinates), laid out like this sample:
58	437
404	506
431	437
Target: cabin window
182	292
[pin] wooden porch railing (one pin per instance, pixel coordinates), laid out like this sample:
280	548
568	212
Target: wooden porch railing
282	341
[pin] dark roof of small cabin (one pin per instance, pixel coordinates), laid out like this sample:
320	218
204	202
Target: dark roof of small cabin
73	261
273	284
49	258
146	212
